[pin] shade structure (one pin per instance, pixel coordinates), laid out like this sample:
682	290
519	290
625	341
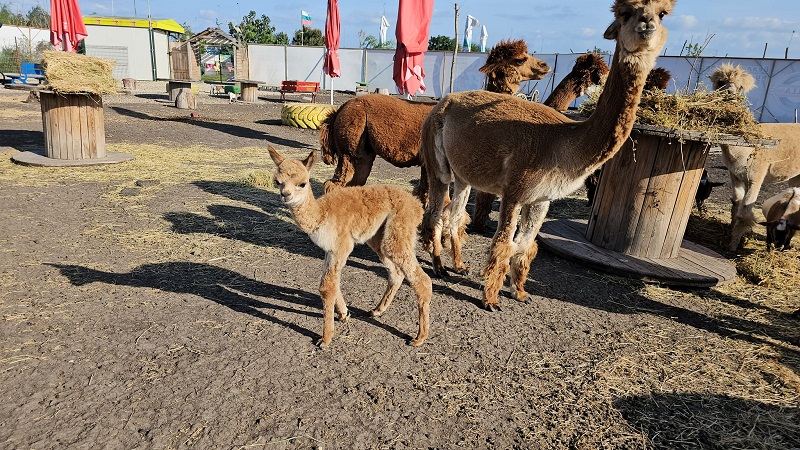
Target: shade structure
332	32
66	25
413	25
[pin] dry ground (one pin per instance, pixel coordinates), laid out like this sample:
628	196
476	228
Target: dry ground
169	302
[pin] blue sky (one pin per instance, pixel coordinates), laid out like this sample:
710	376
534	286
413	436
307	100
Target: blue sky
739	28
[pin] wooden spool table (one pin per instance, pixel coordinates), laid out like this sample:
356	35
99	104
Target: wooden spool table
640	212
249	90
174	86
74	131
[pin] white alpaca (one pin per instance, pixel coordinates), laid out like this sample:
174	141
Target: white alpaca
750	167
383	217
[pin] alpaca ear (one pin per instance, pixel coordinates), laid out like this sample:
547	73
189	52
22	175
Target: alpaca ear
612	30
276	157
310	160
486	69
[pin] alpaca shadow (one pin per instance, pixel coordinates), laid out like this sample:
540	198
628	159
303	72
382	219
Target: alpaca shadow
163	96
275	122
222	127
273	227
707	421
222	286
24	140
624	299
715	235
565	208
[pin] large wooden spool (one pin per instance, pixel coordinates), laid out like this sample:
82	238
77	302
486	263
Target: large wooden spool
73	126
640	212
249	90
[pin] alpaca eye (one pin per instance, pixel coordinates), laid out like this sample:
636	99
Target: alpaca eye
521	61
662	14
302	185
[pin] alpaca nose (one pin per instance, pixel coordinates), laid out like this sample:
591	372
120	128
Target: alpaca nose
646	28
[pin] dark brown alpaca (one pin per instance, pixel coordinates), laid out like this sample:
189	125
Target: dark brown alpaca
589	69
382	125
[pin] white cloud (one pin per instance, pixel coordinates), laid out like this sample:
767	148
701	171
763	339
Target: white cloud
588	32
753	22
207	14
687	21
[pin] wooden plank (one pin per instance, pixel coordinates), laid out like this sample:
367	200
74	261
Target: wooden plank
86	150
99	128
74	112
694	153
58	114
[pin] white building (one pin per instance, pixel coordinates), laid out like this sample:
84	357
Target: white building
128	42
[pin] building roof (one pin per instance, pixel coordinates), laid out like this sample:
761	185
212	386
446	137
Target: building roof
158	24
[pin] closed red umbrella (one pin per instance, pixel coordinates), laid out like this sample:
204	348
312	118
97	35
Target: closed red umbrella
413	25
332	32
66	25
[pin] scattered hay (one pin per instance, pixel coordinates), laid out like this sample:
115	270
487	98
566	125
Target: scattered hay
766	268
258	178
68	73
714	112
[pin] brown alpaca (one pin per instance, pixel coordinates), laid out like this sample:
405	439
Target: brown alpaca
530	154
378	124
383	217
750	167
589	69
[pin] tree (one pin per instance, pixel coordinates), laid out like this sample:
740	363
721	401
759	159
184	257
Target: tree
598	51
36	17
254	30
308	37
441	43
7	16
370	41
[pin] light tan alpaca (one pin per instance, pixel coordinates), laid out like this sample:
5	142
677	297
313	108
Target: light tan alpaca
383	217
530	154
751	167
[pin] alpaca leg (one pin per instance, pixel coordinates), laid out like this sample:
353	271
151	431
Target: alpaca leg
331	296
483	207
432	224
531	219
421	191
457	212
342	175
502	247
363	167
395	277
744	220
423	289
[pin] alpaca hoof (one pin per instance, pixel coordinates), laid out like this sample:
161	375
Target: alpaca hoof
441	272
493	307
416	342
322	345
375	313
522	297
462	270
343	317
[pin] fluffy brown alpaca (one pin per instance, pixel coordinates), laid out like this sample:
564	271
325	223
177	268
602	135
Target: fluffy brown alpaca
530	154
589	69
383	217
750	167
381	125
732	78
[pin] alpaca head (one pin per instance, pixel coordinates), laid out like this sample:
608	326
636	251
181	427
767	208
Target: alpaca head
591	68
292	177
509	63
728	77
638	30
658	79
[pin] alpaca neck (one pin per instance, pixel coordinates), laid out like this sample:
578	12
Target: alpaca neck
568	90
308	214
616	109
502	84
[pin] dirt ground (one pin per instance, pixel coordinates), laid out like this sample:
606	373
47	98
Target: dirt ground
170	302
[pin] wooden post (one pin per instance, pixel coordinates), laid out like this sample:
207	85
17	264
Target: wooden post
73	126
185	99
174	85
249	91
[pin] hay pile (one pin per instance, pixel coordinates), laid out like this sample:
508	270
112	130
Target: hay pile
70	73
712	112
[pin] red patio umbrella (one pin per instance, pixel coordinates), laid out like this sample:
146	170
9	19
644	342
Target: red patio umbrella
66	25
413	24
332	32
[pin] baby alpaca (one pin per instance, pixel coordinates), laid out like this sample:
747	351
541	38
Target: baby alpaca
383	217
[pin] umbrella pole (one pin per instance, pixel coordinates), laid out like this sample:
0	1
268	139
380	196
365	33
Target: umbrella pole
331	90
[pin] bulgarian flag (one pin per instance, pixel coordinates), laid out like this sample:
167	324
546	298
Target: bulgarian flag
305	18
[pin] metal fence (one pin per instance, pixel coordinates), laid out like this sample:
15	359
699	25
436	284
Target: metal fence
776	97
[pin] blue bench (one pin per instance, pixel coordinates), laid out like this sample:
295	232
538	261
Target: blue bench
28	70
